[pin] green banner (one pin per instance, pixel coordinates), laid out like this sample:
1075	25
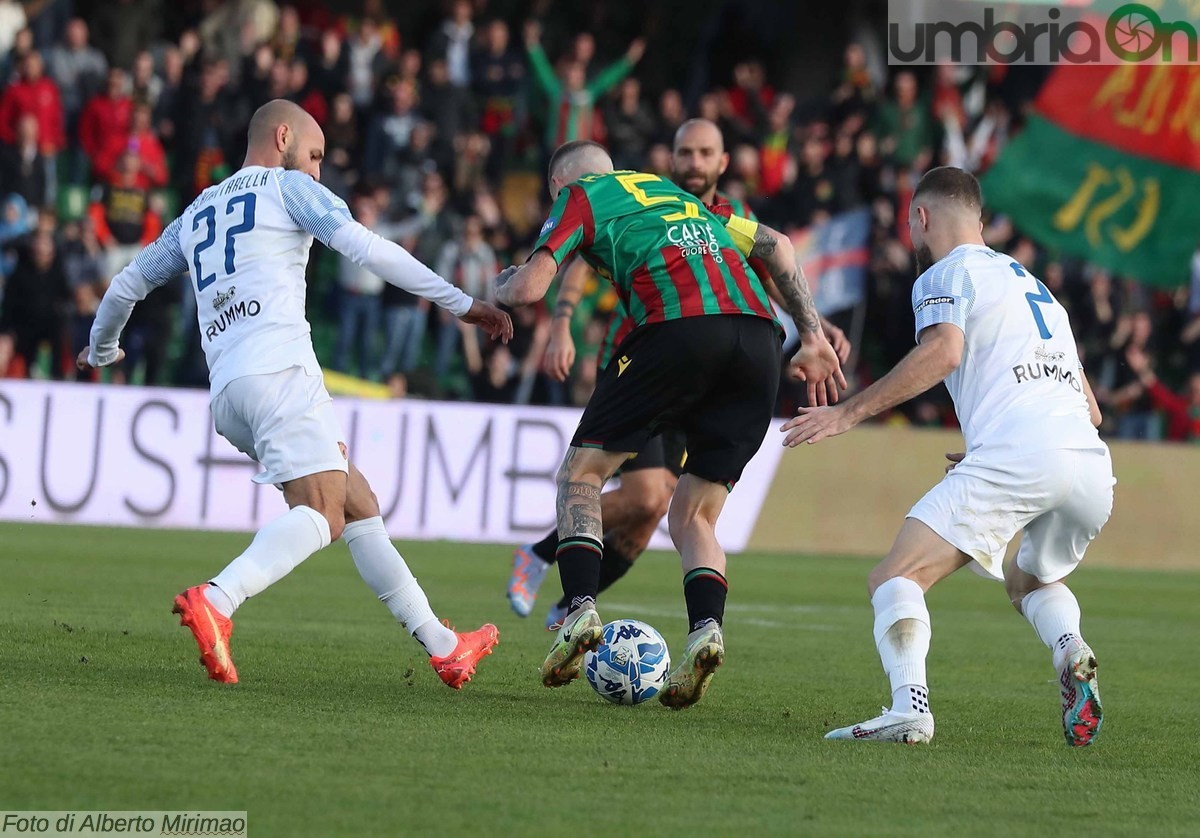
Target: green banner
1134	216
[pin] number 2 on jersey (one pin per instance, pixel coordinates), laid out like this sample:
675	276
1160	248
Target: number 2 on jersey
1042	296
208	216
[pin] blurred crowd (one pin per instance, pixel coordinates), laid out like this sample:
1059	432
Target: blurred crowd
112	121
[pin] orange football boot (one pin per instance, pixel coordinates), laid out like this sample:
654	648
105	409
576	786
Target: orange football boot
211	629
457	667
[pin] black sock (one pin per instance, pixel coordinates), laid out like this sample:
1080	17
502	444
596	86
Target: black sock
704	590
615	565
547	547
579	559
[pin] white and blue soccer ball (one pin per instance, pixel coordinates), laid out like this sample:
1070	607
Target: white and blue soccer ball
631	665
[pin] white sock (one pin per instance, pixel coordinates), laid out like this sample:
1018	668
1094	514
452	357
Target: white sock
1053	612
383	569
275	551
902	636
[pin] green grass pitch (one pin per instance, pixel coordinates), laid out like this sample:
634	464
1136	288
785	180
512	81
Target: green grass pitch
339	726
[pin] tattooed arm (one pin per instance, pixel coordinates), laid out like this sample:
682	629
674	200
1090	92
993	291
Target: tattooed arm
776	251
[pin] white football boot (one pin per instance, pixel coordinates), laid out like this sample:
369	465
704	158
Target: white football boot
908	728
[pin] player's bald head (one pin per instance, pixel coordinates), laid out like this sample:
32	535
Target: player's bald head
700	132
698	158
573	160
284	134
268	118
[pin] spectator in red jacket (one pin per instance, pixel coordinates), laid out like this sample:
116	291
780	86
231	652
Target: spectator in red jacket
33	93
1182	412
106	117
141	142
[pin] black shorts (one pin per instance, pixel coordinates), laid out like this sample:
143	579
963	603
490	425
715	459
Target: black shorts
667	450
713	378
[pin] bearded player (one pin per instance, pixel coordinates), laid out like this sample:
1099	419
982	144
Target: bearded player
1034	461
244	244
633	511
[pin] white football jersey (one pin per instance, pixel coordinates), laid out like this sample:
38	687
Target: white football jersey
244	244
1018	388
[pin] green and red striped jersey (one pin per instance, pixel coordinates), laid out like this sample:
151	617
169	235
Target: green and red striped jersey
668	256
622	323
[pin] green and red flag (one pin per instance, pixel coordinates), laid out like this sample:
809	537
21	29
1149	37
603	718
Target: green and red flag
1108	168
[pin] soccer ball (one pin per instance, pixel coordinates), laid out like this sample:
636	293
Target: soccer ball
631	665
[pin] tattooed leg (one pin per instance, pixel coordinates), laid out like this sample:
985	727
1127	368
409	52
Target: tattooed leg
582	475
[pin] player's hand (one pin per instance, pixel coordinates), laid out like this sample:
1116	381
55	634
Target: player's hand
507	274
839	341
954	459
813	424
81	362
817	364
560	353
492	320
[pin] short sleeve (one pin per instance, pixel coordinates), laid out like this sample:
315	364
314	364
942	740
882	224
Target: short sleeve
162	260
314	208
569	226
943	294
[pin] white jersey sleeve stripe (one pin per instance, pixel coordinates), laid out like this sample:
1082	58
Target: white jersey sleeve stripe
943	294
163	259
314	208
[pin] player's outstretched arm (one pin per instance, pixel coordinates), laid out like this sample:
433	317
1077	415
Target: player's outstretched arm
816	363
400	268
521	286
937	355
325	216
154	267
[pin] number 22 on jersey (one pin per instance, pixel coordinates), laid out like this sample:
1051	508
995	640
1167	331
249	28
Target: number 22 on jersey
208	216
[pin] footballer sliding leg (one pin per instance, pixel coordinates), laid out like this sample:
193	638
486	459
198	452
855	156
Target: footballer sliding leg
452	655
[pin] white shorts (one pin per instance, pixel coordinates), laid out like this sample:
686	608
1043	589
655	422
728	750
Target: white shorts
285	421
1061	498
